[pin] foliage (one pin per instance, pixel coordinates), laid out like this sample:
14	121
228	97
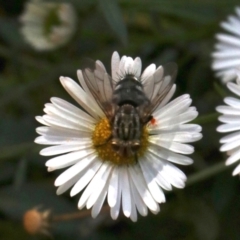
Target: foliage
158	31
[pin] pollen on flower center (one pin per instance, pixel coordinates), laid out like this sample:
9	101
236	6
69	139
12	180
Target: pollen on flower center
102	143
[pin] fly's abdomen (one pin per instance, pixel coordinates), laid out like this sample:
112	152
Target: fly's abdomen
127	130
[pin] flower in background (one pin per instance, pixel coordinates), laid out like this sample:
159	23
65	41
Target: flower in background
37	222
226	57
231	123
47	25
96	165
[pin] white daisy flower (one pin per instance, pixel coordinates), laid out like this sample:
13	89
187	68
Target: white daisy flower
231	123
47	25
129	173
226	57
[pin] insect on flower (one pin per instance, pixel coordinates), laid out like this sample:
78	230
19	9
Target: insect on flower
128	102
123	144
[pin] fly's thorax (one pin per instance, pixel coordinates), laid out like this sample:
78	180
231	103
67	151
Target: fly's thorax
129	90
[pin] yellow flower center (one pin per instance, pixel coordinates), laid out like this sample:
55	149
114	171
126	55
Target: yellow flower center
102	143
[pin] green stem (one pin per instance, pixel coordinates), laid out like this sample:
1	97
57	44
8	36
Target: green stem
206	173
219	89
208	118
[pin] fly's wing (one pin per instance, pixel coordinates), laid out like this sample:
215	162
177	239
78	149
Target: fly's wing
100	85
156	88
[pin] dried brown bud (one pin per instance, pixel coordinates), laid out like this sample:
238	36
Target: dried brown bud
37	222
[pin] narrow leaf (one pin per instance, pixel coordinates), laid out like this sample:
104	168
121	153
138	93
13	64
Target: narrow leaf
113	16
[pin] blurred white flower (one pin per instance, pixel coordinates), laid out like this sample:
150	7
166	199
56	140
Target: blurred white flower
231	120
226	57
47	25
83	138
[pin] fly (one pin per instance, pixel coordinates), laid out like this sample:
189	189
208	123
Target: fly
129	102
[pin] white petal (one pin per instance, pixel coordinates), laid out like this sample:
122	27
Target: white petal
234	88
157	84
141	186
237	11
169	155
228	110
174	175
46	140
167	97
63	188
41	120
229	118
56	121
68	159
228	53
83	84
113	187
232	26
74	170
137	67
141	206
98	205
225	63
63	133
128	66
183	137
121	69
178	105
236	170
99	187
155	211
149	71
126	194
85	101
230	137
170	173
228	127
235	156
133	215
116	208
94	184
72	110
115	65
156	167
156	129
231	101
55	150
154	189
86	177
180	119
228	39
229	146
173	146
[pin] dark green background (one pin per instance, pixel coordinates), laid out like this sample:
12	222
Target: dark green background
157	31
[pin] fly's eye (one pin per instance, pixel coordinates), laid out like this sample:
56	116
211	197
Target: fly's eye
115	144
135	146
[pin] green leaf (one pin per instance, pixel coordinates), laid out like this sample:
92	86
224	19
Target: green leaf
113	16
21	172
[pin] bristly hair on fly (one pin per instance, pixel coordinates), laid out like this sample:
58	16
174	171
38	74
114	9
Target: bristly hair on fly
128	73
